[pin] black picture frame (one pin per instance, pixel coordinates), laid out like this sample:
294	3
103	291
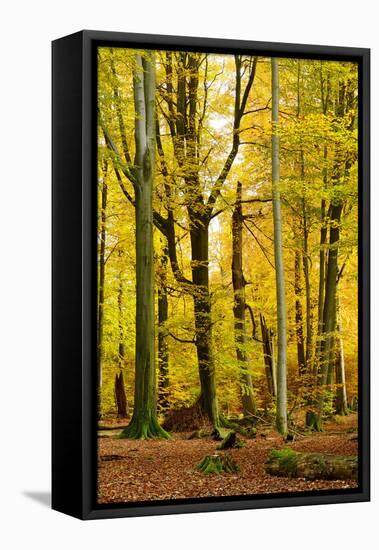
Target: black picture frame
74	274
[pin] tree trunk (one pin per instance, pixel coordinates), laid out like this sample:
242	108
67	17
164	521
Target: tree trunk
120	393
163	357
269	356
341	397
311	420
144	422
100	319
329	317
239	309
203	321
307	281
120	300
299	316
281	401
120	396
288	463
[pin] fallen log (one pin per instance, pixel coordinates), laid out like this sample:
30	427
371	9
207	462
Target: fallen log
289	463
217	464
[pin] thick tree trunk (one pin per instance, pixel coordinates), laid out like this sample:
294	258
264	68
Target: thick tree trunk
281	401
203	320
100	319
239	309
288	463
144	422
163	355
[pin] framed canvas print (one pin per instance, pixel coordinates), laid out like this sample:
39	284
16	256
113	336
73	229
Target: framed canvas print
210	274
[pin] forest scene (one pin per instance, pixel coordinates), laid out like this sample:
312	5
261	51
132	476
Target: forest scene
227	314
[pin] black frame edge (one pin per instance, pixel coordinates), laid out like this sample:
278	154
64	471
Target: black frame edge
67	99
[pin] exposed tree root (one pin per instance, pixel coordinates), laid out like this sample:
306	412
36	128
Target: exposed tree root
142	428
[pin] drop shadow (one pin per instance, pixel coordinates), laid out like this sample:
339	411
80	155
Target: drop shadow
42	497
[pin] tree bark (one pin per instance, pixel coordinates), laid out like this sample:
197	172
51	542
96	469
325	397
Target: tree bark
341	396
203	320
239	309
120	304
269	356
281	401
144	422
299	316
120	396
163	354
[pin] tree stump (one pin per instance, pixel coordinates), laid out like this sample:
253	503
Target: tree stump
231	441
289	463
219	433
217	464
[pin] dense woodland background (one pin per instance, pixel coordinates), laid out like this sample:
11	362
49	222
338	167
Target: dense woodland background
215	286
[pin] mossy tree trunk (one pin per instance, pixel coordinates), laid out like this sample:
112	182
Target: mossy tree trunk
144	422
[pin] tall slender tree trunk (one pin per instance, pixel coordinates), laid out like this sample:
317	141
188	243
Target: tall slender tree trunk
281	400
311	420
307	284
100	319
239	309
144	422
299	316
120	393
163	354
341	396
269	356
120	304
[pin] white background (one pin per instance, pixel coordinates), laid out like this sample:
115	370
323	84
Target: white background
27	29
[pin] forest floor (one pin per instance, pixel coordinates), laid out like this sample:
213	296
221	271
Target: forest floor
131	470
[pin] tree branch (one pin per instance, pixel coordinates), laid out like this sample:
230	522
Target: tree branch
182	340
